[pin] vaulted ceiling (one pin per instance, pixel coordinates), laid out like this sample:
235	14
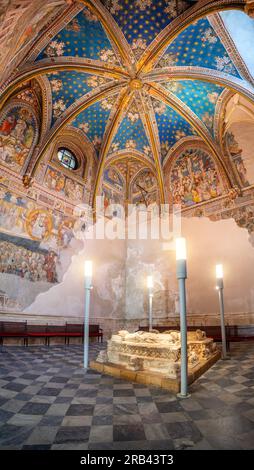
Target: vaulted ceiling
130	81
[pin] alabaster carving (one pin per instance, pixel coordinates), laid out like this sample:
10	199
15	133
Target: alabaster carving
156	352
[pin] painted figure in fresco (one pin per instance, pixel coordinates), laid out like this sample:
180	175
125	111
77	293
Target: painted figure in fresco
145	179
65	233
54	180
73	190
113	178
50	267
194	178
17	132
29	265
8	125
236	155
39	224
111	202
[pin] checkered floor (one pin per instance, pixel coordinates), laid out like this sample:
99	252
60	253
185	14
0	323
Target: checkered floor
47	402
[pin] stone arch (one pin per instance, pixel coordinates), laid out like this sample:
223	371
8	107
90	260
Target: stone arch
57	178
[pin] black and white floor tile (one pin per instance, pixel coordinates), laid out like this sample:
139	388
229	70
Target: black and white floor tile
48	402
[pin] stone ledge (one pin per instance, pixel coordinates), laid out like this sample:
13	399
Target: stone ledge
153	379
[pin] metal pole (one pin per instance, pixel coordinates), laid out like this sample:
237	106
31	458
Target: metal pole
181	276
222	318
150	310
88	288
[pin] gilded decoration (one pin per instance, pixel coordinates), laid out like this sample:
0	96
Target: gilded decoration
140	90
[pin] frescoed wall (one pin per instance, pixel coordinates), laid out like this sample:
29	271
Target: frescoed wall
194	178
17	136
68	187
144	188
112	193
35	247
112	178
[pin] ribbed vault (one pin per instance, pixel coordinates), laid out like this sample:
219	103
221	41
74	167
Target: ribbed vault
136	78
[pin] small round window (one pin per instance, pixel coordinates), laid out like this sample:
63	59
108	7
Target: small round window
67	159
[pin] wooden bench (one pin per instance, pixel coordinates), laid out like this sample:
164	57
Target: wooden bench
10	329
96	331
67	331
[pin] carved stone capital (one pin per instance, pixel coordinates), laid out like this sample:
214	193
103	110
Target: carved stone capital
249	8
27	181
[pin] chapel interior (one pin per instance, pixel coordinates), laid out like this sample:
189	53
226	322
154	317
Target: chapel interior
110	108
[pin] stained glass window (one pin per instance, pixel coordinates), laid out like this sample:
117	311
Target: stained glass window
67	159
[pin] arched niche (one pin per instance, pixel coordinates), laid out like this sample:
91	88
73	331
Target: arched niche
19	132
75	184
192	176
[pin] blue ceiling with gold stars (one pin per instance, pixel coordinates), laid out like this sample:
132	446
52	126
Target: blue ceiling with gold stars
69	86
131	136
199	46
144	19
140	21
171	126
84	36
201	97
93	121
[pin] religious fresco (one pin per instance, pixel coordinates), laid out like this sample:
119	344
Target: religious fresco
30	263
111	202
198	45
148	199
57	181
17	136
112	177
39	224
144	188
194	178
145	180
237	158
21	217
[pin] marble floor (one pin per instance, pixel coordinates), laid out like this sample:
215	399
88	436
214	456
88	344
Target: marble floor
47	402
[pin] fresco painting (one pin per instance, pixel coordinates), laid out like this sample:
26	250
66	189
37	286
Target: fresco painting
144	188
17	135
111	202
145	180
112	177
57	181
22	218
194	178
32	264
